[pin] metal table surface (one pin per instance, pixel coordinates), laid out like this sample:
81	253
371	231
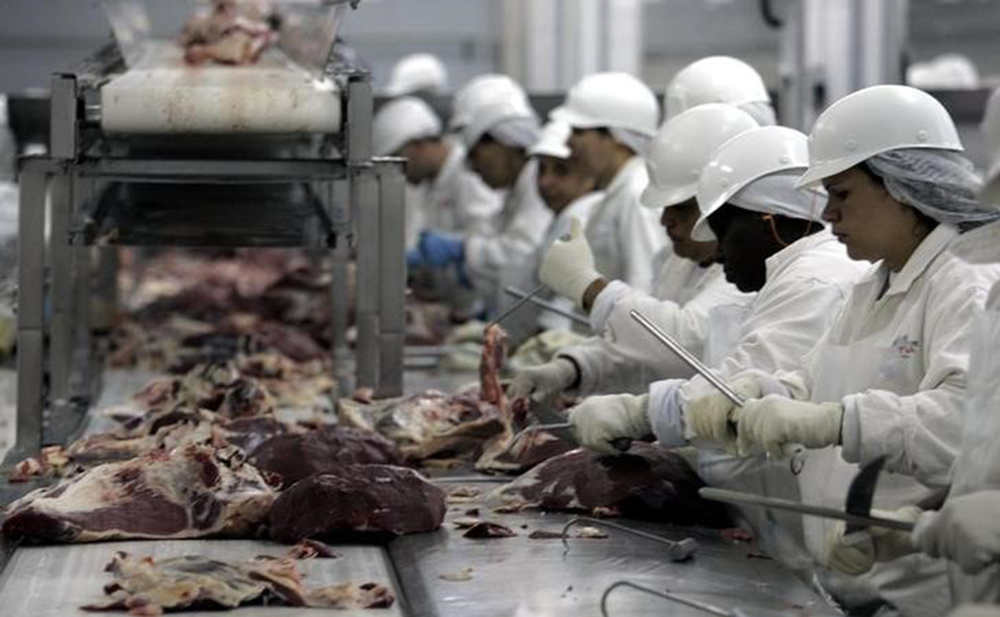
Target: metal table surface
520	577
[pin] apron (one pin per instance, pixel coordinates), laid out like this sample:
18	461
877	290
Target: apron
778	534
914	585
978	464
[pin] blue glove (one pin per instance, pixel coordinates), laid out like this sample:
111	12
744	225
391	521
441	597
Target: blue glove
414	259
439	250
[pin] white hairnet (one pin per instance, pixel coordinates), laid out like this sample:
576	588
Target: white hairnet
761	111
941	184
516	132
636	142
776	194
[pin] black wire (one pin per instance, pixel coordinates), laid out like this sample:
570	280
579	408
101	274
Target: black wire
770	18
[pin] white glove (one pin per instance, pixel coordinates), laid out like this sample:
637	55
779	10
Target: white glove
710	417
856	553
966	530
568	266
599	420
774	421
976	610
541	382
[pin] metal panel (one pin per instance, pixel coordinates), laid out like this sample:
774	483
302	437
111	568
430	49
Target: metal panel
216	171
364	198
359	119
392	277
61	291
63	134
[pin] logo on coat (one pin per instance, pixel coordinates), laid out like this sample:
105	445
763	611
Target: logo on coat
905	347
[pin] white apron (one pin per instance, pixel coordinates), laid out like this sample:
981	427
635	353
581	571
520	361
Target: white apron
913	585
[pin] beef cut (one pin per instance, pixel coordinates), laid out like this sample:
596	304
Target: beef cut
494	356
192	492
648	482
294	457
233	32
144	586
371	500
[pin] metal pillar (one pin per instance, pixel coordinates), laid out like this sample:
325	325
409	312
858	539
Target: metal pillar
30	310
61	294
391	278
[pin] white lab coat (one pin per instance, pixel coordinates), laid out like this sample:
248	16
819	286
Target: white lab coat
624	236
898	363
624	357
806	283
579	208
977	467
458	201
507	256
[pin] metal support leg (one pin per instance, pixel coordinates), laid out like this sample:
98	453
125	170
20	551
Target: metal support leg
62	297
364	194
391	279
340	256
30	313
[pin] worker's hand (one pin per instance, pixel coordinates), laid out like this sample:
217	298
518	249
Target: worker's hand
712	417
857	552
966	530
438	250
774	421
568	266
976	610
541	382
414	259
599	420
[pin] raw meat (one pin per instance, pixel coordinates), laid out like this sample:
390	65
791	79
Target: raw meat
529	450
494	355
196	491
380	500
233	32
486	529
649	482
294	457
148	587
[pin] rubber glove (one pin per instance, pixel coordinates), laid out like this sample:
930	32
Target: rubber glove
976	610
541	382
439	250
857	552
773	421
713	417
599	420
966	530
414	259
568	266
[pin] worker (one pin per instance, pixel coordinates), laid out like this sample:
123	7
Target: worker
569	194
478	91
498	134
613	117
966	531
453	198
690	284
888	378
770	240
719	79
417	74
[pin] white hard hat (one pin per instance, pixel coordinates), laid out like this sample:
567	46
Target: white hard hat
417	73
401	121
990	193
715	79
479	91
748	157
872	121
553	141
610	100
683	146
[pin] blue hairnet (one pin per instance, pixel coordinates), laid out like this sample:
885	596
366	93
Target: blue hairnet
941	184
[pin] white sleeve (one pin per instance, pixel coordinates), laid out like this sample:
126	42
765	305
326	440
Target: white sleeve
516	243
478	205
603	370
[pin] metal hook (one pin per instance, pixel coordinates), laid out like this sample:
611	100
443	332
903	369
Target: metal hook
666	595
681	550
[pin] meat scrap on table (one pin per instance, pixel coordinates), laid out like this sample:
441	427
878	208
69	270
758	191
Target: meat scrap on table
144	586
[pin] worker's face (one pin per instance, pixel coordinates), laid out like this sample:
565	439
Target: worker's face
560	181
495	163
593	148
678	221
421	164
745	243
864	216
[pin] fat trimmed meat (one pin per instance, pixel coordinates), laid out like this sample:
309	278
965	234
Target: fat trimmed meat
192	492
371	500
648	482
294	457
